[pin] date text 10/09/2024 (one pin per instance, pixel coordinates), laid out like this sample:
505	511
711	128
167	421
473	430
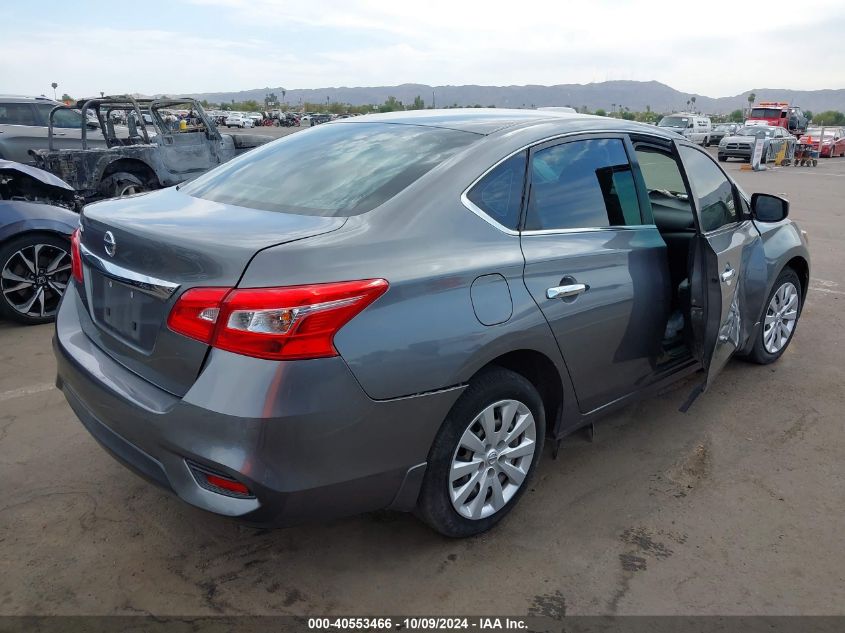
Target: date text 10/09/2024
417	624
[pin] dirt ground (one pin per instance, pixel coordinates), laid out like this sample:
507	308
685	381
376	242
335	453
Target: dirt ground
733	508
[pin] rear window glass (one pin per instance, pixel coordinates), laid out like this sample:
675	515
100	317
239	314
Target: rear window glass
340	169
499	193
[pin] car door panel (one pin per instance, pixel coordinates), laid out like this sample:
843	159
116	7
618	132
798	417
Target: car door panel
727	272
597	273
610	333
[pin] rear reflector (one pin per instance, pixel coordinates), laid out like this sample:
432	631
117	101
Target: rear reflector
75	256
227	484
295	322
218	482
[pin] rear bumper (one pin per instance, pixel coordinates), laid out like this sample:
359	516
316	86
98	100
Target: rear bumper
302	436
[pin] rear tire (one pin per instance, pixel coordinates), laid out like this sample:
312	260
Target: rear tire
500	413
121	184
771	342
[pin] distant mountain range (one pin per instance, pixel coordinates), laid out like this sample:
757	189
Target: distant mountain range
636	95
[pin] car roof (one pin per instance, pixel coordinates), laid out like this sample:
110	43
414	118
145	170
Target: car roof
490	120
22	99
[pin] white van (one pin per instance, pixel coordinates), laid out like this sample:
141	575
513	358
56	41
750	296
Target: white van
695	127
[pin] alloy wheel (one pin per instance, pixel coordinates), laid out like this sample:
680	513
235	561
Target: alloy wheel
492	460
780	319
34	279
128	189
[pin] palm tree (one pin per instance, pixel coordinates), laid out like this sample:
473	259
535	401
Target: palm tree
693	103
751	98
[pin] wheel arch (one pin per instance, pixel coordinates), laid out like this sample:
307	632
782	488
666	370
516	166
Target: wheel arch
802	268
134	166
45	227
541	372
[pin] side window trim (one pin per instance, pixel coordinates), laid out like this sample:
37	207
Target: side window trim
737	202
571	138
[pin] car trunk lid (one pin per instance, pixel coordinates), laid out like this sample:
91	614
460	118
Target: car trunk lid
141	253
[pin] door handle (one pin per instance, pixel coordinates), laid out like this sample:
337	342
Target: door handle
727	275
562	292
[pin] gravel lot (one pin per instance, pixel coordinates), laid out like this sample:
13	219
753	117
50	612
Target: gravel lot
733	508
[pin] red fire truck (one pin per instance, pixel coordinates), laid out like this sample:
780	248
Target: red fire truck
779	114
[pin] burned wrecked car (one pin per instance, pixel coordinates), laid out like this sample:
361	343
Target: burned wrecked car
150	144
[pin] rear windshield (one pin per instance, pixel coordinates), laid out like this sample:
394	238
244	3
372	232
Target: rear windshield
766	113
340	169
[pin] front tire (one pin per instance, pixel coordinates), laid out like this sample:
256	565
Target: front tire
484	455
779	320
35	270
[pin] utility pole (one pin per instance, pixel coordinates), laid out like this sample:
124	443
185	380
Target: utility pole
433	102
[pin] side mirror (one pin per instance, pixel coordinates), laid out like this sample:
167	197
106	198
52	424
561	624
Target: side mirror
92	125
768	208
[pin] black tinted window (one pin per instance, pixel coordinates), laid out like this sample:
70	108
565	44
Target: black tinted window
713	190
499	193
17	114
582	184
340	169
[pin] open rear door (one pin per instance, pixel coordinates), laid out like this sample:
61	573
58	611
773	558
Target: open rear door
721	251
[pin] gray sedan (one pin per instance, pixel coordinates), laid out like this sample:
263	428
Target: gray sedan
398	311
741	144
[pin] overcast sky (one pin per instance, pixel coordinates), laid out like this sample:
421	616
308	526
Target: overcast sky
715	48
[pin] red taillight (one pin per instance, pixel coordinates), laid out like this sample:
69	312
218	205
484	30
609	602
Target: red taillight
296	322
195	314
75	256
